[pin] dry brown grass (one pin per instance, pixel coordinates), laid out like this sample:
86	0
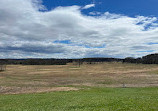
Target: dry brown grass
22	90
36	77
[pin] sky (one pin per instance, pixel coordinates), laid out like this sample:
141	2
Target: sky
78	28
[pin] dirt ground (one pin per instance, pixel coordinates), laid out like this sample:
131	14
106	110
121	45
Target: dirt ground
44	78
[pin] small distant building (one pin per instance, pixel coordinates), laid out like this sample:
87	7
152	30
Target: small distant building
2	67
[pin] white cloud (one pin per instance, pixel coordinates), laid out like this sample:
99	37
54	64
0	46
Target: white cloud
27	32
88	6
95	13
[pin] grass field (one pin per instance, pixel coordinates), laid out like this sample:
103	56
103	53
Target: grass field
93	99
90	87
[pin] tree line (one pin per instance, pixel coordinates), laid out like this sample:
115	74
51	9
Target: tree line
148	59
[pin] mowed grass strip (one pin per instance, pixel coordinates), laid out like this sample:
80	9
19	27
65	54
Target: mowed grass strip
92	99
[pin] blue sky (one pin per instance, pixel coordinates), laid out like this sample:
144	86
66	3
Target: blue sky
126	7
78	28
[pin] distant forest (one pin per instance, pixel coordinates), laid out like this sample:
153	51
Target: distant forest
148	59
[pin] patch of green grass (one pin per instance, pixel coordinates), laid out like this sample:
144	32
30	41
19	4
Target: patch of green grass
92	99
107	81
153	72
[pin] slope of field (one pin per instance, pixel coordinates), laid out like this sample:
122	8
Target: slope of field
38	78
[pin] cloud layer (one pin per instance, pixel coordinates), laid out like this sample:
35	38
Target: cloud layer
28	30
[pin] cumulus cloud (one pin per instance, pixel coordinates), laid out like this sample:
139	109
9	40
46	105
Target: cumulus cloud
26	31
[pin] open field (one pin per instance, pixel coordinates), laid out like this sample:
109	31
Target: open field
90	87
38	78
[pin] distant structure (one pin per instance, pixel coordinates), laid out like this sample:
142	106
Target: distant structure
2	67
